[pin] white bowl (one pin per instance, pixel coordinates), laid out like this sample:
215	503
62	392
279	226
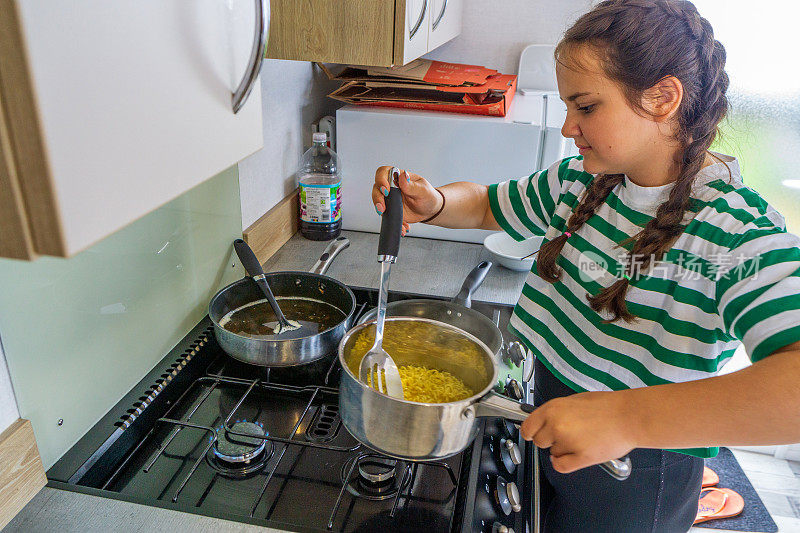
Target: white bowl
509	253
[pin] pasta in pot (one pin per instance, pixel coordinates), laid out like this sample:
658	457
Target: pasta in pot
418	348
428	385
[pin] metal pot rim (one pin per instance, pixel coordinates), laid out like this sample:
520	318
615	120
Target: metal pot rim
434	301
469	311
291	272
466	401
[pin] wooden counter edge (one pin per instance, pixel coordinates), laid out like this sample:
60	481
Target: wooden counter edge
21	469
267	234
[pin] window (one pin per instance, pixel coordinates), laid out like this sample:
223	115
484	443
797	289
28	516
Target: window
763	127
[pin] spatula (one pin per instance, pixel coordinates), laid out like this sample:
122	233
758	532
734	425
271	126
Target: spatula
283	327
377	368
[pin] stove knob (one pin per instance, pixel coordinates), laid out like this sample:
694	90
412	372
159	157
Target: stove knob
527	367
510	429
507	496
514	390
513	497
501	528
513	452
510	454
516	352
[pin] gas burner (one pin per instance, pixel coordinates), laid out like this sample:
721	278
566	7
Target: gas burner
374	477
231	448
239	456
376	471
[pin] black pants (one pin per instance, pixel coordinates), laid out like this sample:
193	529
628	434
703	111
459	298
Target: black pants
660	495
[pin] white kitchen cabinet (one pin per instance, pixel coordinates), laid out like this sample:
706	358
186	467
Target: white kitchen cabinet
444	147
444	21
428	25
111	109
416	29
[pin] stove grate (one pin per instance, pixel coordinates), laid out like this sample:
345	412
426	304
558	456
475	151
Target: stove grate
325	425
321	431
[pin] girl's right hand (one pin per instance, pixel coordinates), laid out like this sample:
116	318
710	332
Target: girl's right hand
420	199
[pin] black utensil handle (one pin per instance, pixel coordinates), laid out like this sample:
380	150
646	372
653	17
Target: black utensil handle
391	224
471	283
261	282
248	258
254	270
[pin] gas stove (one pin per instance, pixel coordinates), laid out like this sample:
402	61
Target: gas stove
206	434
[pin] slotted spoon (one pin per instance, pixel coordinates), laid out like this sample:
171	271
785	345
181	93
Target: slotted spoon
377	368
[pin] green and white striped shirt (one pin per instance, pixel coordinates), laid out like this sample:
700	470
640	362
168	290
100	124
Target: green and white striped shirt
732	276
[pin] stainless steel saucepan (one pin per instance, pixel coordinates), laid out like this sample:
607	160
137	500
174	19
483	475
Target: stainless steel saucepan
273	351
429	431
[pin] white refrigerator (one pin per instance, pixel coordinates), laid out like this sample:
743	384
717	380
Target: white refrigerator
445	147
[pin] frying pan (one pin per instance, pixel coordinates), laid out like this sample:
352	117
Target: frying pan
266	350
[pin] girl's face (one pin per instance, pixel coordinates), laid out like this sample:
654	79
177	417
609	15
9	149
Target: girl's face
612	137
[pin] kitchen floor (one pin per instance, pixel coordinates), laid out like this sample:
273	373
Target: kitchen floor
777	482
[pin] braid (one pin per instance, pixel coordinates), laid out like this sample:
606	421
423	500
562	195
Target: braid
706	111
644	41
596	194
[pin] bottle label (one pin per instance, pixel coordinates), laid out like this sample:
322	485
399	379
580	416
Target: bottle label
320	204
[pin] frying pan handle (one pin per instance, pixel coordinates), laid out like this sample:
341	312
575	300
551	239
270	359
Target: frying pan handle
332	250
494	404
471	283
248	258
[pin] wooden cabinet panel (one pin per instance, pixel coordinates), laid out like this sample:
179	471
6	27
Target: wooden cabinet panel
22	151
355	32
15	236
360	32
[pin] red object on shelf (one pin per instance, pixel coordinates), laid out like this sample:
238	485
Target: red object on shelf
429	85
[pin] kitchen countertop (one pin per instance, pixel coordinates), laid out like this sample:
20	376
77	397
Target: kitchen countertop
423	266
62	511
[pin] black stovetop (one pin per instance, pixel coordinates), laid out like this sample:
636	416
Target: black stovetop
157	447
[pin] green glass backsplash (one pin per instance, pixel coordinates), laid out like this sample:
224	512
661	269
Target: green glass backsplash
78	333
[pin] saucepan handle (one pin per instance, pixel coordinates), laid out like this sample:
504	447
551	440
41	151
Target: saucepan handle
471	283
494	404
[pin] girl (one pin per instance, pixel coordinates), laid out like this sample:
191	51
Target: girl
657	262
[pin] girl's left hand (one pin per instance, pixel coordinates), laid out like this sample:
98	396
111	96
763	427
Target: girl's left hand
582	430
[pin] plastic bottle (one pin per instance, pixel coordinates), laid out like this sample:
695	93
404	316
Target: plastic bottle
320	181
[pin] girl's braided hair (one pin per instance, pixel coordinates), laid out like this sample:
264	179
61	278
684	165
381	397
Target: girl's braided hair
641	42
